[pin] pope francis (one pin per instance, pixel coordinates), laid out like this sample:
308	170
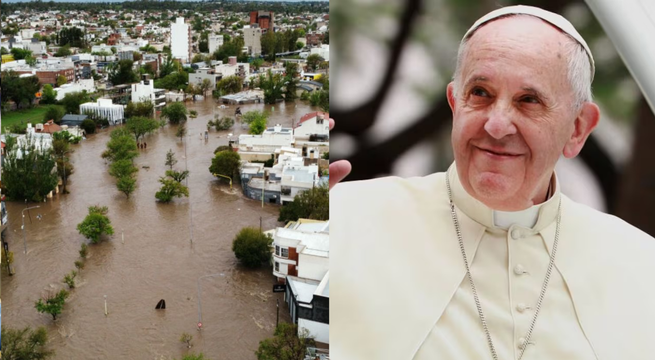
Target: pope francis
489	260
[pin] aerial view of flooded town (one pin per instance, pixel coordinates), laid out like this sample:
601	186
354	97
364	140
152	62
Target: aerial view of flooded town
164	180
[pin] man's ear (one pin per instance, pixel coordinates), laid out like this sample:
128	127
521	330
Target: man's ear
450	94
584	124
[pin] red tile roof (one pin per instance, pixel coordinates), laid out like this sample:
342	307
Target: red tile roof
311	116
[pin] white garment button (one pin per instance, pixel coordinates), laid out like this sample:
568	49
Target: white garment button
521	307
516	234
519	270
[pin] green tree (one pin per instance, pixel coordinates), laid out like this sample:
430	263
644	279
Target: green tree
230	84
64	169
141	126
257	63
226	163
63	51
181	131
291	82
268	45
122	73
170	159
142	108
168	67
25	344
121	145
69	279
20	90
96	224
30	60
84	250
313	61
89	126
170	189
122	167
72	37
20	53
257	127
72	101
29	171
252	247
126	185
257	121
175	113
178	176
61	80
186	339
49	95
54	112
273	85
200	356
309	204
224	123
205	86
52	304
286	344
320	98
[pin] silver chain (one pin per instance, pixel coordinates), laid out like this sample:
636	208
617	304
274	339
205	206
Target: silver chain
475	293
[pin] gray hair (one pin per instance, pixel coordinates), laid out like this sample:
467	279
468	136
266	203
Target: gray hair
579	67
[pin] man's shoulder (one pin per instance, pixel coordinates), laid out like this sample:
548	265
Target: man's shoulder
591	222
387	189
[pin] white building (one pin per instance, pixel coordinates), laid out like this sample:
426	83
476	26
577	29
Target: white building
313	125
302	249
323	51
181	40
233	68
201	74
145	90
301	258
215	43
114	113
252	36
267	142
80	85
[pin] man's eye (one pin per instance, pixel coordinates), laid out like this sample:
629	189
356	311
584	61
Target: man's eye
479	92
530	99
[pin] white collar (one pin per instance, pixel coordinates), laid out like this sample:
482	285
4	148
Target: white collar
535	217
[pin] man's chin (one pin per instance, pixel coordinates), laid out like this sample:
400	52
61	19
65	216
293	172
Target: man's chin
493	186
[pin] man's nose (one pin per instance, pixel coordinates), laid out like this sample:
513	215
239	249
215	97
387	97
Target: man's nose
500	124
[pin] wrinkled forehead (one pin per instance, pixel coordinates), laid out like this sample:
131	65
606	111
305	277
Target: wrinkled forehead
519	50
555	20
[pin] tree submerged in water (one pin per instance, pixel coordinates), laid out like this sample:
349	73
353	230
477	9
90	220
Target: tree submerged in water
25	343
96	224
52	304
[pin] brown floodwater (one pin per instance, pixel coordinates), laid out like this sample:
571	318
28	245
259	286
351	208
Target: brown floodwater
154	259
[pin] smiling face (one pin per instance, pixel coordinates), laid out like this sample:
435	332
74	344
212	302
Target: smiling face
514	112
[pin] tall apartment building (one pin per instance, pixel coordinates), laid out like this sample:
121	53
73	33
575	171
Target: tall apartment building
181	40
265	20
252	37
215	43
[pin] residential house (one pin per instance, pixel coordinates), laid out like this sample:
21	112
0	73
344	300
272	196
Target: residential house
313	126
301	259
145	90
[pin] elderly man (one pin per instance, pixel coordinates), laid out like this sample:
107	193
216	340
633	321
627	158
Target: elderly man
489	260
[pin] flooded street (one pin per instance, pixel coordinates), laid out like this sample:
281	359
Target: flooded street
161	257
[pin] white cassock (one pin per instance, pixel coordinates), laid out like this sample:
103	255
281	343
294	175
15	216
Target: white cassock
399	288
